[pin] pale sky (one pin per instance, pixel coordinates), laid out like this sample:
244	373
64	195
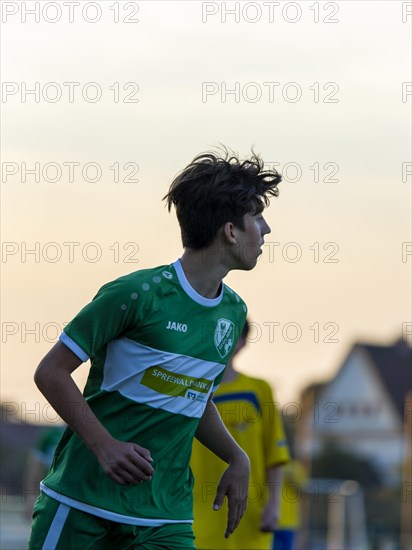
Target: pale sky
325	100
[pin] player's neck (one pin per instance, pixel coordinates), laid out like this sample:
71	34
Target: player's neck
203	271
230	373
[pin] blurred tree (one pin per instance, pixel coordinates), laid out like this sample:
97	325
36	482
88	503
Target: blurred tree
336	463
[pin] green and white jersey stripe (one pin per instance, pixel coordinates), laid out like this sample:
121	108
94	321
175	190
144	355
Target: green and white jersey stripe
159	376
158	349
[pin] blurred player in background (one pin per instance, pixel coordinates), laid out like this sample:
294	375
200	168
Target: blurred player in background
294	480
248	410
38	462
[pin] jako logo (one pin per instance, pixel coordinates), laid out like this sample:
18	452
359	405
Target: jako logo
180	327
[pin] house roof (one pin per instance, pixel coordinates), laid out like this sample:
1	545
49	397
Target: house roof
393	364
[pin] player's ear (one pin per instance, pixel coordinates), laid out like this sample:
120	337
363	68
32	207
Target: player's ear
228	231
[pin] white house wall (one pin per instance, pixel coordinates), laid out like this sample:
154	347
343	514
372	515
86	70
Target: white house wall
355	410
355	401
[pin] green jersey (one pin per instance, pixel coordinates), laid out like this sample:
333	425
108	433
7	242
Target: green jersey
158	349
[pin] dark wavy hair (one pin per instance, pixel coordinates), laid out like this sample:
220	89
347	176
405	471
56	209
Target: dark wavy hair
213	190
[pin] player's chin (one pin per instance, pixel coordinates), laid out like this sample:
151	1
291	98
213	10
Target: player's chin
249	264
254	261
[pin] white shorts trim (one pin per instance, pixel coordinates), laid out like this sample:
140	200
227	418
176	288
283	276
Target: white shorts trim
56	527
107	514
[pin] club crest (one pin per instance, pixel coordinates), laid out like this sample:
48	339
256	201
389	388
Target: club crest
224	336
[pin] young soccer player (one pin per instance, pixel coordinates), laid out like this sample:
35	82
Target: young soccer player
158	340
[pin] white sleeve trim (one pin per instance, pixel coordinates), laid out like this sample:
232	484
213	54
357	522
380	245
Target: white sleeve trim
75	348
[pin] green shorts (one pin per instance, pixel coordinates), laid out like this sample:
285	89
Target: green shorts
57	526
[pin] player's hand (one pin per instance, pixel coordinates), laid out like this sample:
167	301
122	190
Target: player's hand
125	463
234	484
269	517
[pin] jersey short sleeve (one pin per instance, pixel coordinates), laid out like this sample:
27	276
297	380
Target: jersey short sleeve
217	381
112	311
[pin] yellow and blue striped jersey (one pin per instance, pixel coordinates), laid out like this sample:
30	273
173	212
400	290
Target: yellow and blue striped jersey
248	410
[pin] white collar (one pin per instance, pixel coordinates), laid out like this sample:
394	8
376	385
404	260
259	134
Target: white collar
191	292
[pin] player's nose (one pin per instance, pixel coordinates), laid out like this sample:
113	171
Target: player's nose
266	228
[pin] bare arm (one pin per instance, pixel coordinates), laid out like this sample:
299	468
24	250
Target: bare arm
212	433
123	462
270	513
